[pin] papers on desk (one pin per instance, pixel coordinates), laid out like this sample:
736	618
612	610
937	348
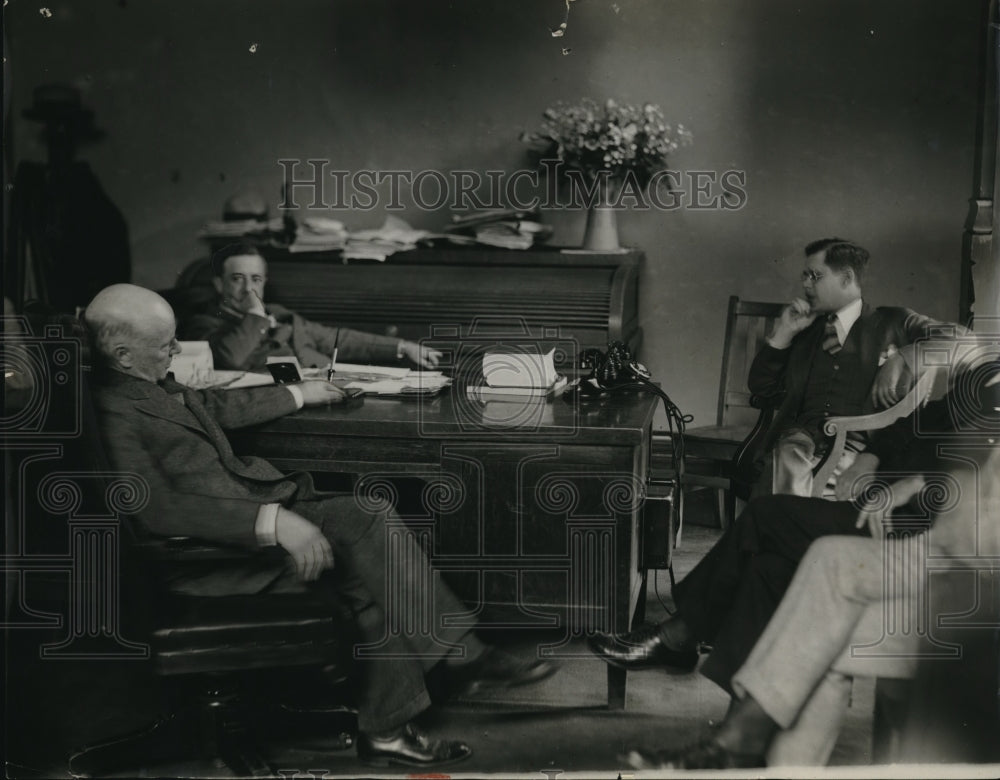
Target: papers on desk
194	367
518	375
486	393
386	380
420	385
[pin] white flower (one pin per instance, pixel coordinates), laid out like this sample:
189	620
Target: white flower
616	137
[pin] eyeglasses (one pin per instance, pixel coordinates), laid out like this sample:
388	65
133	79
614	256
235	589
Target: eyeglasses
811	276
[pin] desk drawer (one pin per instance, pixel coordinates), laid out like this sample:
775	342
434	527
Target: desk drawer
325	453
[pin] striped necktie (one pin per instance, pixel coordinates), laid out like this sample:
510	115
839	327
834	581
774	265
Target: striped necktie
831	341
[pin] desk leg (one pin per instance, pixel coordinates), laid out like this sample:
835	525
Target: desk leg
617	680
639	617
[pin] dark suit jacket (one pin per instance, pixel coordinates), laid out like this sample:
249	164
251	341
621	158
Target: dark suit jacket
783	373
245	342
197	486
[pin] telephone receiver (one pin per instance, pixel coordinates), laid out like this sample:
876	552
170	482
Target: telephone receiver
610	369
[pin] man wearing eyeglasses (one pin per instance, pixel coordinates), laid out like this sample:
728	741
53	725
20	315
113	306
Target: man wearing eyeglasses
830	354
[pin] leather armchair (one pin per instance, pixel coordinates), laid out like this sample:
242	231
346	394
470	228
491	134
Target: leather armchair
219	647
212	653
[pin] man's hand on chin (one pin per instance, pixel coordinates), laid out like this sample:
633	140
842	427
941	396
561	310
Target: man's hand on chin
252	304
305	544
795	317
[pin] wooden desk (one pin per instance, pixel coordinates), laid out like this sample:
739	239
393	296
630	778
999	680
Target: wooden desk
531	508
591	298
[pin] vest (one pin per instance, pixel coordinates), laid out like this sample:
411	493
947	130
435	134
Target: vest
837	385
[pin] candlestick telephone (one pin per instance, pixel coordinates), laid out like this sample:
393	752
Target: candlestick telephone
617	370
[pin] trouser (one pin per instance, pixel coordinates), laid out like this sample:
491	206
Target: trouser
793	459
837	620
729	597
398	603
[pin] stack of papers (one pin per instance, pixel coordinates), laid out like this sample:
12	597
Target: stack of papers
508	229
386	380
518	374
319	234
503	235
240	227
394	236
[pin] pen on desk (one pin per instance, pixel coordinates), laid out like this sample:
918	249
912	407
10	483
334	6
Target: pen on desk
333	365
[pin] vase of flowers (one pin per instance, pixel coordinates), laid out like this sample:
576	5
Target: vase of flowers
613	148
601	233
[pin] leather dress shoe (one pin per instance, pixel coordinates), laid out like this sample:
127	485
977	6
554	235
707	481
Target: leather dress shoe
411	747
707	754
497	668
642	649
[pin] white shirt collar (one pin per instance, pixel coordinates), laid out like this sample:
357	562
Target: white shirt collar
846	317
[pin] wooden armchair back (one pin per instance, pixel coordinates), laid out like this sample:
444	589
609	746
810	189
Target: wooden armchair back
747	326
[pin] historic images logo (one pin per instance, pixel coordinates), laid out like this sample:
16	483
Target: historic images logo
309	184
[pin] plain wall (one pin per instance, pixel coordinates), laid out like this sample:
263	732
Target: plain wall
849	118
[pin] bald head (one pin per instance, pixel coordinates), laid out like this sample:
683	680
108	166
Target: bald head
133	329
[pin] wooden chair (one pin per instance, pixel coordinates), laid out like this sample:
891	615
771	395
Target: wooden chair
928	385
891	695
716	456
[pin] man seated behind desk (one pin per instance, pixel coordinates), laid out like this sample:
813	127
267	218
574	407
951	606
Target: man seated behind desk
243	332
823	360
173	437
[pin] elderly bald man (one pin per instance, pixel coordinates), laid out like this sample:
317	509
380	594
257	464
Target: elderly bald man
174	438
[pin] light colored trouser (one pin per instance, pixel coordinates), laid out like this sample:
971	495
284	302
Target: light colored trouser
794	458
792	463
837	620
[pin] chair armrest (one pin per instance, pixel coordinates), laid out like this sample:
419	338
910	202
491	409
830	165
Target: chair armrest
744	470
838	427
188	549
914	399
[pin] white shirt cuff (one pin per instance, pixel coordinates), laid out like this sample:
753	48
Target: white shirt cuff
300	401
771	342
266	527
